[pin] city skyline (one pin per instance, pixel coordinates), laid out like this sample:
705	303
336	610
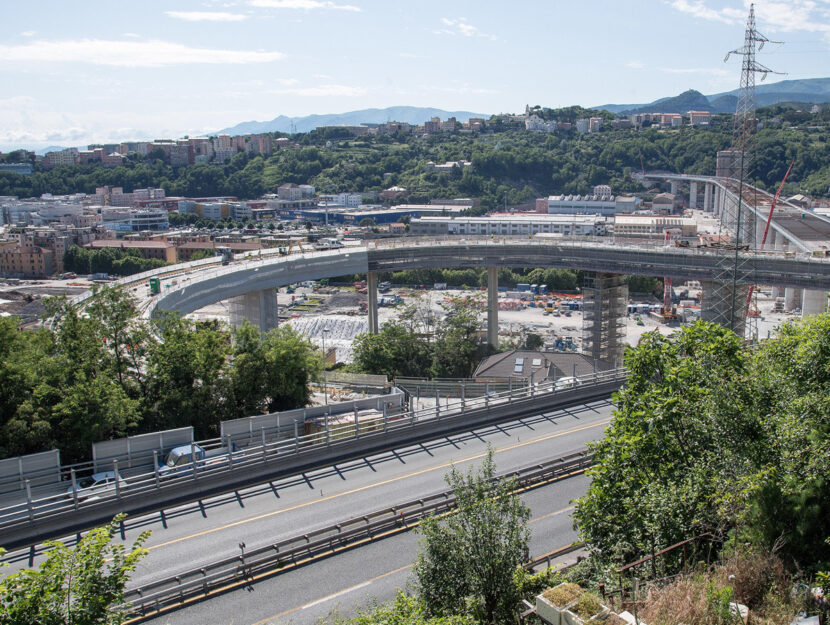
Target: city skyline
78	74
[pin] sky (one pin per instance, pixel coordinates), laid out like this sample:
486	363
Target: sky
74	72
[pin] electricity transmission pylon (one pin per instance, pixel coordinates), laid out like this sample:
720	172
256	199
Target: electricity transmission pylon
727	300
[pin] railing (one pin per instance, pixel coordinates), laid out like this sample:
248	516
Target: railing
286	554
33	518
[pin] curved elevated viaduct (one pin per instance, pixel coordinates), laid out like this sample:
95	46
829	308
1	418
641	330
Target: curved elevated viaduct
251	282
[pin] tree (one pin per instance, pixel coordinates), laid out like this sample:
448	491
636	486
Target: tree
247	381
366	222
186	370
533	341
457	349
711	437
290	362
398	350
75	585
684	429
473	553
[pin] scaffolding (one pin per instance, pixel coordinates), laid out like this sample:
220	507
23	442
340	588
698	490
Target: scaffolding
604	306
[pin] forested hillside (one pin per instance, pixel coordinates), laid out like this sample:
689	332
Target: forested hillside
510	165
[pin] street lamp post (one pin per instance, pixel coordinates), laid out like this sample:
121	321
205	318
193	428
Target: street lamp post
325	357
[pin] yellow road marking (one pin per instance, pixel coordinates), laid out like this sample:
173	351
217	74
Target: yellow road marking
374	485
313	558
373	579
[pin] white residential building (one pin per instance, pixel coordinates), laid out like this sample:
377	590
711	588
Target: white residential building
503	224
592	204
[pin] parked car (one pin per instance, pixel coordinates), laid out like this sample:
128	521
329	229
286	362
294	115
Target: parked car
95	485
181	459
567	382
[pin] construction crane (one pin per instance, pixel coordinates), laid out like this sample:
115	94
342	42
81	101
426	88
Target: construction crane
766	227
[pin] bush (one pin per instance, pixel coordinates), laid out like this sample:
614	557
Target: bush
587	605
563	595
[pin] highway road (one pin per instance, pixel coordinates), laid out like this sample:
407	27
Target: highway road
188	536
354	578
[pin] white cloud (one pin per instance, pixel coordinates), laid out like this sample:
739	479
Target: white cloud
459	89
635	65
130	35
461	27
777	16
206	16
323	90
152	53
710	71
698	9
28	33
795	15
302	4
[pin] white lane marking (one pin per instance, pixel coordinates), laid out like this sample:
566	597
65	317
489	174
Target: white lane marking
337	594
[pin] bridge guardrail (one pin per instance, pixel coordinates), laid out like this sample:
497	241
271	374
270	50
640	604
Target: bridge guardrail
36	519
285	554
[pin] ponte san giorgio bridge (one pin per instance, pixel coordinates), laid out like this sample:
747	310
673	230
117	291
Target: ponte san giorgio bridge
251	279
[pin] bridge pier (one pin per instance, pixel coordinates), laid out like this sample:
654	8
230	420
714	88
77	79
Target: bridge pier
493	307
258	307
814	302
717	302
604	305
372	308
792	299
707	198
760	225
780	241
673	187
692	195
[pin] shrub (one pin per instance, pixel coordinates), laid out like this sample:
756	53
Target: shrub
587	605
563	595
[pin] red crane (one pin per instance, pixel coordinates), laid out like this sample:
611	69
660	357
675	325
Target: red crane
769	221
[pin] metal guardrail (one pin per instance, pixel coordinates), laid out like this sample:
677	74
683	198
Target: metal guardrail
288	553
33	520
545	559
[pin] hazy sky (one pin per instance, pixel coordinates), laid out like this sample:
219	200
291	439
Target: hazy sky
78	71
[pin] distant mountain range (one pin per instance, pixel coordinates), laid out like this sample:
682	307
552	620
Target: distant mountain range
409	114
808	91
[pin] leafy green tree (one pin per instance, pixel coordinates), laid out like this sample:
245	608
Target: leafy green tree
533	341
473	553
74	585
290	362
684	429
185	369
457	348
247	381
400	349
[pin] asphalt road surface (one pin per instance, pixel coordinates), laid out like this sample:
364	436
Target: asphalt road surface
355	578
189	536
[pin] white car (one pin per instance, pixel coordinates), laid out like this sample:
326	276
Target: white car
567	382
95	485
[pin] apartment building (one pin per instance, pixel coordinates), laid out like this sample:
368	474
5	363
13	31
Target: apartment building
26	262
654	226
504	224
589	204
134	219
